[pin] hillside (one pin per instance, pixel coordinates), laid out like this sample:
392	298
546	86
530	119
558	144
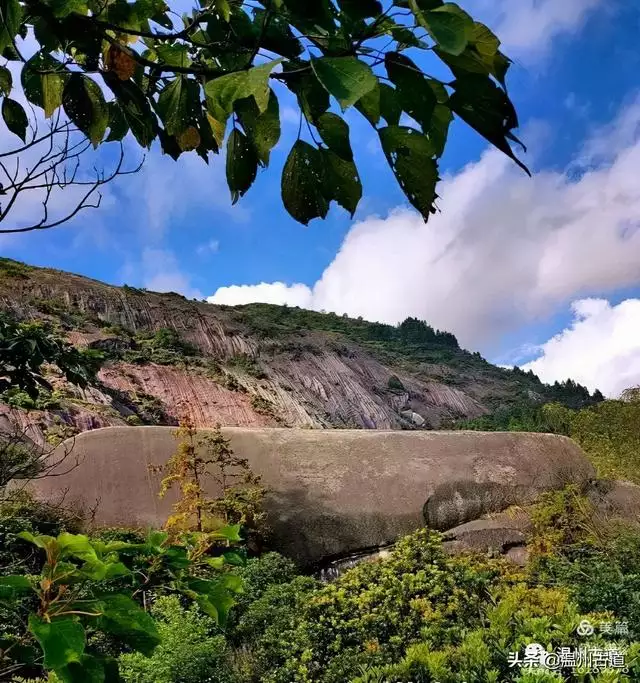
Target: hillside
256	365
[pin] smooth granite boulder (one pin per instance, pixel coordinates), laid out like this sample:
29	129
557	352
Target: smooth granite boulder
331	492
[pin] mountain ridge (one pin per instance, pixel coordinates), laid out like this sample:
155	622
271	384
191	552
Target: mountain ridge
255	365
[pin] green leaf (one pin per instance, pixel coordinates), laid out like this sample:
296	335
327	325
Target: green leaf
360	9
118	127
242	164
6	81
52	88
224	8
312	96
10	19
15	117
316	15
413	91
346	78
302	183
89	669
84	104
39	68
12	587
277	36
390	108
369	105
439	131
341	181
123	617
76	545
231	533
232	558
103	571
410	155
157	539
448	25
62	640
42	541
335	135
173	55
179	104
223	92
479	102
135	107
263	130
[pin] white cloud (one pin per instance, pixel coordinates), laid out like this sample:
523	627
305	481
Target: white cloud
528	28
267	293
506	250
601	348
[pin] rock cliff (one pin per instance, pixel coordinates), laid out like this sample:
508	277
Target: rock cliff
251	366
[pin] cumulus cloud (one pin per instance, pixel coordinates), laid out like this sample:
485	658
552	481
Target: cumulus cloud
506	249
600	349
527	28
266	292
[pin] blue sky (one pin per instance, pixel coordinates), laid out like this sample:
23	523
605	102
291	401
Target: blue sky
544	271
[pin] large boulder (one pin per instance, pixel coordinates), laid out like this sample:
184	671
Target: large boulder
331	492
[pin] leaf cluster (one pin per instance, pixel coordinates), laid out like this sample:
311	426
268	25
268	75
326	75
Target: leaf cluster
211	82
25	347
74	596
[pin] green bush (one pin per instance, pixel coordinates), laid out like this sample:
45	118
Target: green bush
45	400
395	384
189	651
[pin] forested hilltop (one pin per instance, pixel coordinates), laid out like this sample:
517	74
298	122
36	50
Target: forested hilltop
164	357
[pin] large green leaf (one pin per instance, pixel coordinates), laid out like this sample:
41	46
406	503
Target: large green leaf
335	135
346	78
179	104
439	131
369	105
411	156
118	126
262	129
52	89
242	164
84	104
313	99
360	9
89	669
62	640
43	81
76	545
123	617
478	101
450	26
303	182
135	107
413	91
10	18
6	81
341	181
390	107
224	91
15	117
12	587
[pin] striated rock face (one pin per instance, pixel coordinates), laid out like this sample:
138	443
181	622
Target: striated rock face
311	379
329	493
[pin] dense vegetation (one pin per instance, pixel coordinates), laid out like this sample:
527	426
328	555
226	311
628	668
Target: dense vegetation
419	615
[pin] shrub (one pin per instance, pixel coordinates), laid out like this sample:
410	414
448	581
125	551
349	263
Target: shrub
57	433
189	652
134	420
395	384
